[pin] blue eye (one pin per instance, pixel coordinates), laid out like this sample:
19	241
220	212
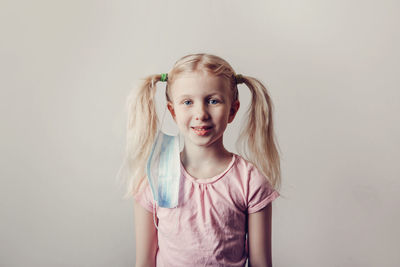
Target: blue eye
216	101
184	102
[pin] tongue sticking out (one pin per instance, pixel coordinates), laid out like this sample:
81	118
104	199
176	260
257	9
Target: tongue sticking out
200	131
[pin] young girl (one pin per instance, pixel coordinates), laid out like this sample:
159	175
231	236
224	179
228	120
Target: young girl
224	195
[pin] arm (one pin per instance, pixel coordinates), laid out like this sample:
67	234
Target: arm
260	237
146	237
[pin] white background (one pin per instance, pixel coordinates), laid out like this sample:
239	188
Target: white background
332	68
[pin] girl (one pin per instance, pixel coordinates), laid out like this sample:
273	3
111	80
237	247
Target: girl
224	195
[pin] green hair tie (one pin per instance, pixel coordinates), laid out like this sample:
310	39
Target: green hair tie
239	78
164	77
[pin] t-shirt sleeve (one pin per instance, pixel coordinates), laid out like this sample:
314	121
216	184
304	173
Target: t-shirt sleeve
145	198
260	192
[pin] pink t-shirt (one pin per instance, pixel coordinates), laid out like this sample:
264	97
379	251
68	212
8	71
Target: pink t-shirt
209	226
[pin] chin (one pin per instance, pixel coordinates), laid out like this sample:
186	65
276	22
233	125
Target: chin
200	141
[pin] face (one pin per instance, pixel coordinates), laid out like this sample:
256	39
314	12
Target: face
202	100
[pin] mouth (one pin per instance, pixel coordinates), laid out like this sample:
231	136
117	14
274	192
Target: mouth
202	130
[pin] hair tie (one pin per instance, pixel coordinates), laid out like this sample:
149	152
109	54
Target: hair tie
164	77
239	78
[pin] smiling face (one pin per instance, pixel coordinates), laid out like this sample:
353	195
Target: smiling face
200	99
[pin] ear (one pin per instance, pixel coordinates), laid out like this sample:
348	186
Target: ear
234	109
171	109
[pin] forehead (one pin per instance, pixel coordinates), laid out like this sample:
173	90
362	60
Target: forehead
198	84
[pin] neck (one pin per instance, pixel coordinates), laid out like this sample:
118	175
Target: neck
198	156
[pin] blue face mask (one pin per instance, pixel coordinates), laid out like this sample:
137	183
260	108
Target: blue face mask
163	170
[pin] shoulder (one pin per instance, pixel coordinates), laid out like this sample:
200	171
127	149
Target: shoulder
257	189
249	172
243	165
144	196
249	177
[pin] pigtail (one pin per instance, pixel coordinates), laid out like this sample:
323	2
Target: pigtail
258	134
141	129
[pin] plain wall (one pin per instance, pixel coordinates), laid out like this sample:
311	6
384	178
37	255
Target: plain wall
332	68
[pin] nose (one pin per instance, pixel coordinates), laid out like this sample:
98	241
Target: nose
201	112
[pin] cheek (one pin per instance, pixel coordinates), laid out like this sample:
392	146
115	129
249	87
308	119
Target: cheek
182	117
222	115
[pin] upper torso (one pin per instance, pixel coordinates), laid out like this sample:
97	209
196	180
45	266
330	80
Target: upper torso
209	226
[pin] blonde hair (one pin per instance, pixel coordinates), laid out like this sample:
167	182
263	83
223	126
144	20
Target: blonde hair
256	142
